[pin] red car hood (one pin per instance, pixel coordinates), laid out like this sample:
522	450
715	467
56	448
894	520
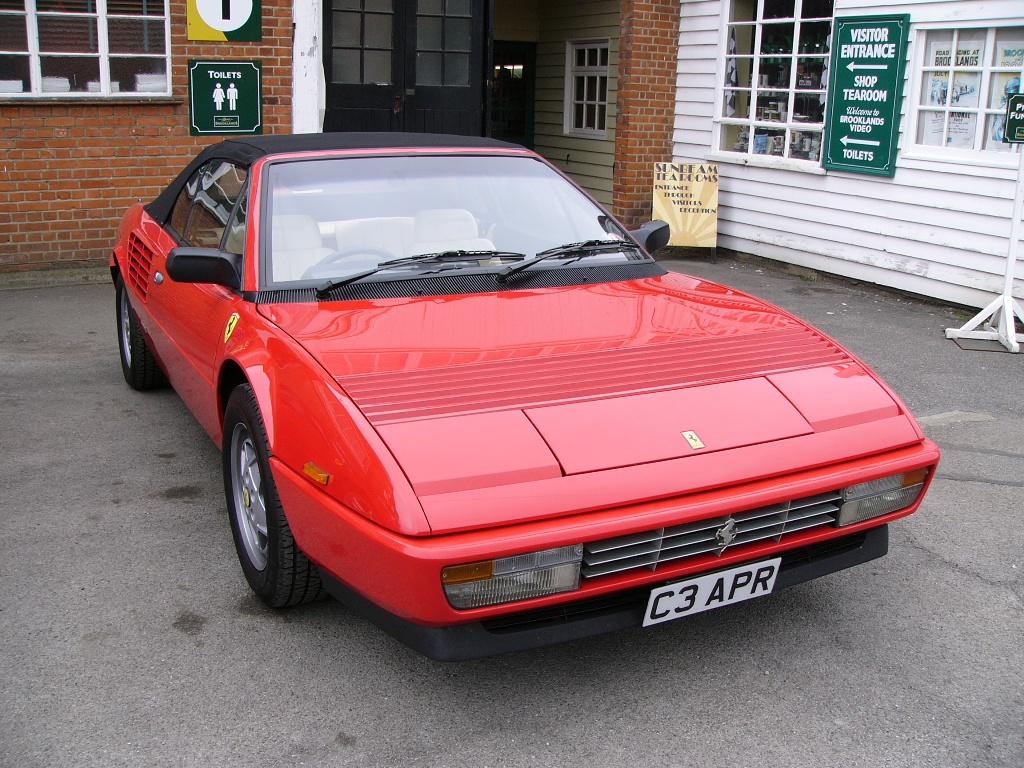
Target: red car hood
494	389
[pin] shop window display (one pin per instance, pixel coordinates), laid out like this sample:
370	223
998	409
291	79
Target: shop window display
962	104
776	76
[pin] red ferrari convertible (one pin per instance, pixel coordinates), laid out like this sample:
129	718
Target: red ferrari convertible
456	394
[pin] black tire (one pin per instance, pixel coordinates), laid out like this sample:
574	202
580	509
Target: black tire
276	569
138	364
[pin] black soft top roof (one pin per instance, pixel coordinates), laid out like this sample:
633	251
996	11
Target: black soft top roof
247	150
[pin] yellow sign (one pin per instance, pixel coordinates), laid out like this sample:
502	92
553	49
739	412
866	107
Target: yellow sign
686	196
224	20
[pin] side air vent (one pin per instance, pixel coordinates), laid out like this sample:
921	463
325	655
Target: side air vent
140	264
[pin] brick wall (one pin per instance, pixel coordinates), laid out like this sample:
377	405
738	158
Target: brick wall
69	169
648	51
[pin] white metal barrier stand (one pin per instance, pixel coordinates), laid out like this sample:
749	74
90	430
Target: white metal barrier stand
997	319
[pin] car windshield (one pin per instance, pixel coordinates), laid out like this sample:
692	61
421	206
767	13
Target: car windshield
340	217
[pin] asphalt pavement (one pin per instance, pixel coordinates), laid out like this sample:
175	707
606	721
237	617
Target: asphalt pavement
128	636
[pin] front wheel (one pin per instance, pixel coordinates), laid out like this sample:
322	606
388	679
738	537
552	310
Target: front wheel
276	569
138	364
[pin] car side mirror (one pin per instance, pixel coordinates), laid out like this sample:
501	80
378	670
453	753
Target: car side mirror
652	235
205	265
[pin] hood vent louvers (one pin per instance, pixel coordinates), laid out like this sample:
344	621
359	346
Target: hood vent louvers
574	377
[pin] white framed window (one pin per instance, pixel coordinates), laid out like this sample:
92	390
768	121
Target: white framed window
586	87
74	48
964	77
775	78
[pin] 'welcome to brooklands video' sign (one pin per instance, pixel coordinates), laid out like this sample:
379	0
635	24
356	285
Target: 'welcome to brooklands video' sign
864	92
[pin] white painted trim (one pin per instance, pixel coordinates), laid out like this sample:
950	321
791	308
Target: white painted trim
309	89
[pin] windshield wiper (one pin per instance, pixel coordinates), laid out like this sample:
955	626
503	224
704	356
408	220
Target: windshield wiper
572	250
325	289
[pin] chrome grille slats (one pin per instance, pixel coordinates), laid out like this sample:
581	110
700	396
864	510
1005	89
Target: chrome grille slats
648	549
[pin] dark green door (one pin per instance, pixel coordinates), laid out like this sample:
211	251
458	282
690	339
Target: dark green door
405	65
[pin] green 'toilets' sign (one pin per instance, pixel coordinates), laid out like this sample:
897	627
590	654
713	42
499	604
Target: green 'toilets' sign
869	54
225	97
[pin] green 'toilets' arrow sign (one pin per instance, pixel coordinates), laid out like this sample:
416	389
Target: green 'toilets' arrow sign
864	92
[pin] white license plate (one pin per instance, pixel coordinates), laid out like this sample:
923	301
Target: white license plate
685	598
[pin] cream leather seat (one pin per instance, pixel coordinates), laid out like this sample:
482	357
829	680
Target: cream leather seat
447	229
296	245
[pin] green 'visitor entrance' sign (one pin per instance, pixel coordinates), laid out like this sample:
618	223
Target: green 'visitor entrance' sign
225	97
864	92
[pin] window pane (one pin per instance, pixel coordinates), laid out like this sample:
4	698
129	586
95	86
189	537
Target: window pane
603	57
578	88
769	142
345	66
12	5
13	33
591	89
777	38
457	7
591	57
378	31
591	119
432	7
15	74
995	126
457	34
1010	47
378	6
135	36
68	34
813	36
581	57
135	8
429	68
346	29
808	73
964	92
929	128
429	34
456	69
578	116
962	128
805	145
602	113
69	6
346	5
816	9
1004	85
139	74
935	89
743	10
63	74
377	67
778	9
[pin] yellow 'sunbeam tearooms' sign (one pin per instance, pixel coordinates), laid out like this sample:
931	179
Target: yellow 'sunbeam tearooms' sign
686	196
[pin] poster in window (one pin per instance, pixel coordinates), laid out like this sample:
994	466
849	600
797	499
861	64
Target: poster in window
962	126
964	91
1004	85
930	126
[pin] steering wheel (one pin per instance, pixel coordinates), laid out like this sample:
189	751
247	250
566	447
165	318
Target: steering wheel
373	251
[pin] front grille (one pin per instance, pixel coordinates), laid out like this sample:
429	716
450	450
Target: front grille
648	549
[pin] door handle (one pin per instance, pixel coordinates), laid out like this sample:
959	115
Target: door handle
397	103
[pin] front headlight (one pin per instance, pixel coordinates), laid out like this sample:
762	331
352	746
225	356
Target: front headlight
879	497
489	582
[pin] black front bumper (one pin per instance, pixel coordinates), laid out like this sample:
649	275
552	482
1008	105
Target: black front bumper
594	616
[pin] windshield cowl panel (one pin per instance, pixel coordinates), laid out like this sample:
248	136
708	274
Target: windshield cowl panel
332	221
